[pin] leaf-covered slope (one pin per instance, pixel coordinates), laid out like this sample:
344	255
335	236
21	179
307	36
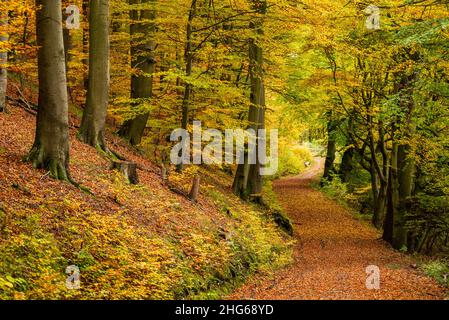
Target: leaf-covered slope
130	242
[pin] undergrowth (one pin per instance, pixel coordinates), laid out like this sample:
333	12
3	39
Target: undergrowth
437	269
120	257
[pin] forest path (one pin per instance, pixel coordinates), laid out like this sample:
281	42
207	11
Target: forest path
331	253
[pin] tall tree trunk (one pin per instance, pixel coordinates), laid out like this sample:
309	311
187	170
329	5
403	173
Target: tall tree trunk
85	61
390	223
143	62
380	192
405	162
67	47
94	116
51	146
248	181
255	181
406	170
85	8
188	56
3	58
379	200
406	177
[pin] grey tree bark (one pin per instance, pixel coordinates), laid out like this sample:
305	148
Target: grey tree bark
188	56
94	116
67	47
142	60
3	59
248	181
51	146
391	218
406	163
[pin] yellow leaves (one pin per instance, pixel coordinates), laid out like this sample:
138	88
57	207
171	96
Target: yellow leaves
7	283
205	251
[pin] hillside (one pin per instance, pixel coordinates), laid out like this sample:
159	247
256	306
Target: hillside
129	242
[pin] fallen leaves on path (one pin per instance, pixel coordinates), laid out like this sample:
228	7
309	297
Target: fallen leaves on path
332	252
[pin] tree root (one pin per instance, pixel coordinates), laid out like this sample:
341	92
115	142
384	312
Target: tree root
56	168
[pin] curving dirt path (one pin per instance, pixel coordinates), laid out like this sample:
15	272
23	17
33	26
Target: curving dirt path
332	252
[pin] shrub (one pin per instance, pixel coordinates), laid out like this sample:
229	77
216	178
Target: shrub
439	270
292	160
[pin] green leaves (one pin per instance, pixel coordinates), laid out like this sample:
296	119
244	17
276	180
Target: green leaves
424	33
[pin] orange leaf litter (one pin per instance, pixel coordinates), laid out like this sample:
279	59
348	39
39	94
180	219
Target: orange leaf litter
331	253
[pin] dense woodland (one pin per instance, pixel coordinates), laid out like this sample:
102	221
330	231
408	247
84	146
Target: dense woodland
370	99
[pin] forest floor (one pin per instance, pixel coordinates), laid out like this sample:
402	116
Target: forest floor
145	241
332	252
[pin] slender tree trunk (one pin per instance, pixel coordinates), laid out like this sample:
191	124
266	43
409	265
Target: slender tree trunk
51	146
331	149
94	116
188	56
248	181
67	47
3	58
379	212
85	8
406	176
255	180
379	205
391	219
405	163
143	62
406	170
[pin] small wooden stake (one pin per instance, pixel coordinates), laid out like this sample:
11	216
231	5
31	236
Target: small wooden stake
195	188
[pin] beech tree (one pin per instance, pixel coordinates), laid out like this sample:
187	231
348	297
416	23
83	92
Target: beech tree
142	61
94	116
50	150
248	181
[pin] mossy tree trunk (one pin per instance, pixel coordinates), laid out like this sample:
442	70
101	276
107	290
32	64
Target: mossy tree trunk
248	181
403	165
142	61
391	218
51	146
347	164
380	171
380	193
406	170
94	116
406	162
